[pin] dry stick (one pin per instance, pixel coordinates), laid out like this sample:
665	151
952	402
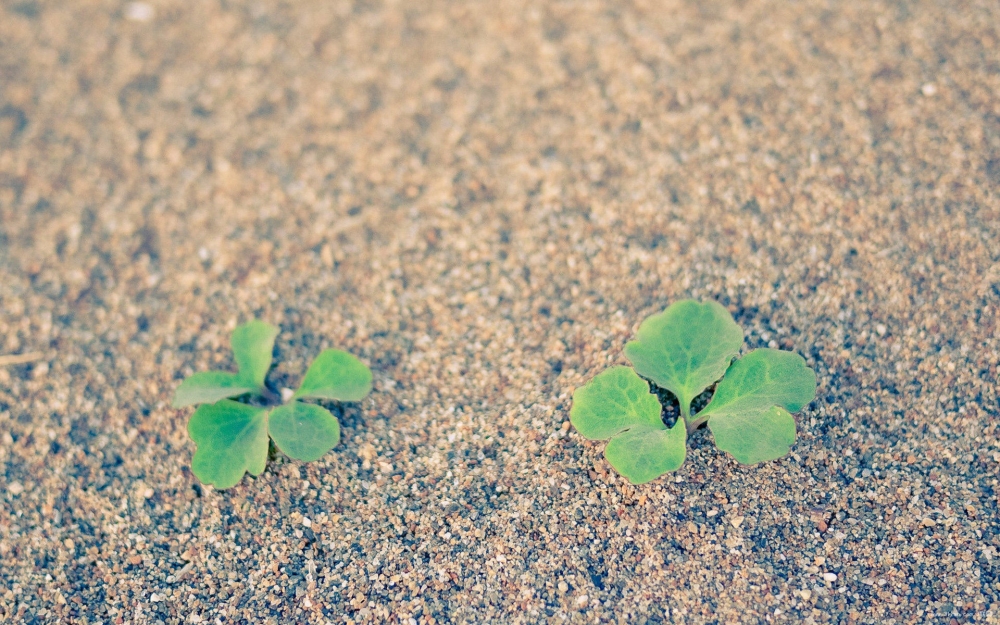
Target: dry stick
20	359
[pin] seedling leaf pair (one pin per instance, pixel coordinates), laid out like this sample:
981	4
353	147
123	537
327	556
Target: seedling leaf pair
252	345
232	437
686	349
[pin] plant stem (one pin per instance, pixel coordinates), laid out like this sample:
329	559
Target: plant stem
694	424
685	407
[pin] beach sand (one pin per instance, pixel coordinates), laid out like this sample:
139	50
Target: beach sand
483	201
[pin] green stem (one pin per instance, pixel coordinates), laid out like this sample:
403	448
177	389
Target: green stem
685	406
694	424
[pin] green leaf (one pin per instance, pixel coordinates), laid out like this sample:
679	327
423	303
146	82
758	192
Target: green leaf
613	401
753	438
303	431
761	379
253	343
336	375
686	348
740	414
231	439
208	387
645	452
617	404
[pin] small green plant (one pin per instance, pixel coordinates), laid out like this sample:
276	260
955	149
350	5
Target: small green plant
686	349
233	437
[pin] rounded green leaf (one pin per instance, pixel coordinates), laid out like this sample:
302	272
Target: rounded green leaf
337	375
761	379
614	400
686	348
753	438
208	387
644	452
740	414
231	439
303	431
253	344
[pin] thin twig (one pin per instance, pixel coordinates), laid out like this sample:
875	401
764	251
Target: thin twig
20	359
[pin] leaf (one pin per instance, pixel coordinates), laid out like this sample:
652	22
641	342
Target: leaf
761	379
614	400
740	414
303	431
686	348
645	452
231	439
208	387
753	438
336	375
617	404
253	343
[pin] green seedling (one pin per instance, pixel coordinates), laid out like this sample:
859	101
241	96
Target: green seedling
232	437
686	349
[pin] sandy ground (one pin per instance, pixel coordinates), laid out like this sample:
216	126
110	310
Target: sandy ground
483	200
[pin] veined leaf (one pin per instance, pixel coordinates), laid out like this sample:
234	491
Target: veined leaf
617	404
753	438
644	453
741	414
303	431
231	439
253	343
336	375
614	400
761	379
208	387
686	348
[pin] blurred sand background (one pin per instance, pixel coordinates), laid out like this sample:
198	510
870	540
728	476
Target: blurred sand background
483	200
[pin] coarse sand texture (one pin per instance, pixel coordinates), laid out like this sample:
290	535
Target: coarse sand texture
482	201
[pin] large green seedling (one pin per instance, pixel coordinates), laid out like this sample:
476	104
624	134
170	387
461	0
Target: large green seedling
232	437
686	349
